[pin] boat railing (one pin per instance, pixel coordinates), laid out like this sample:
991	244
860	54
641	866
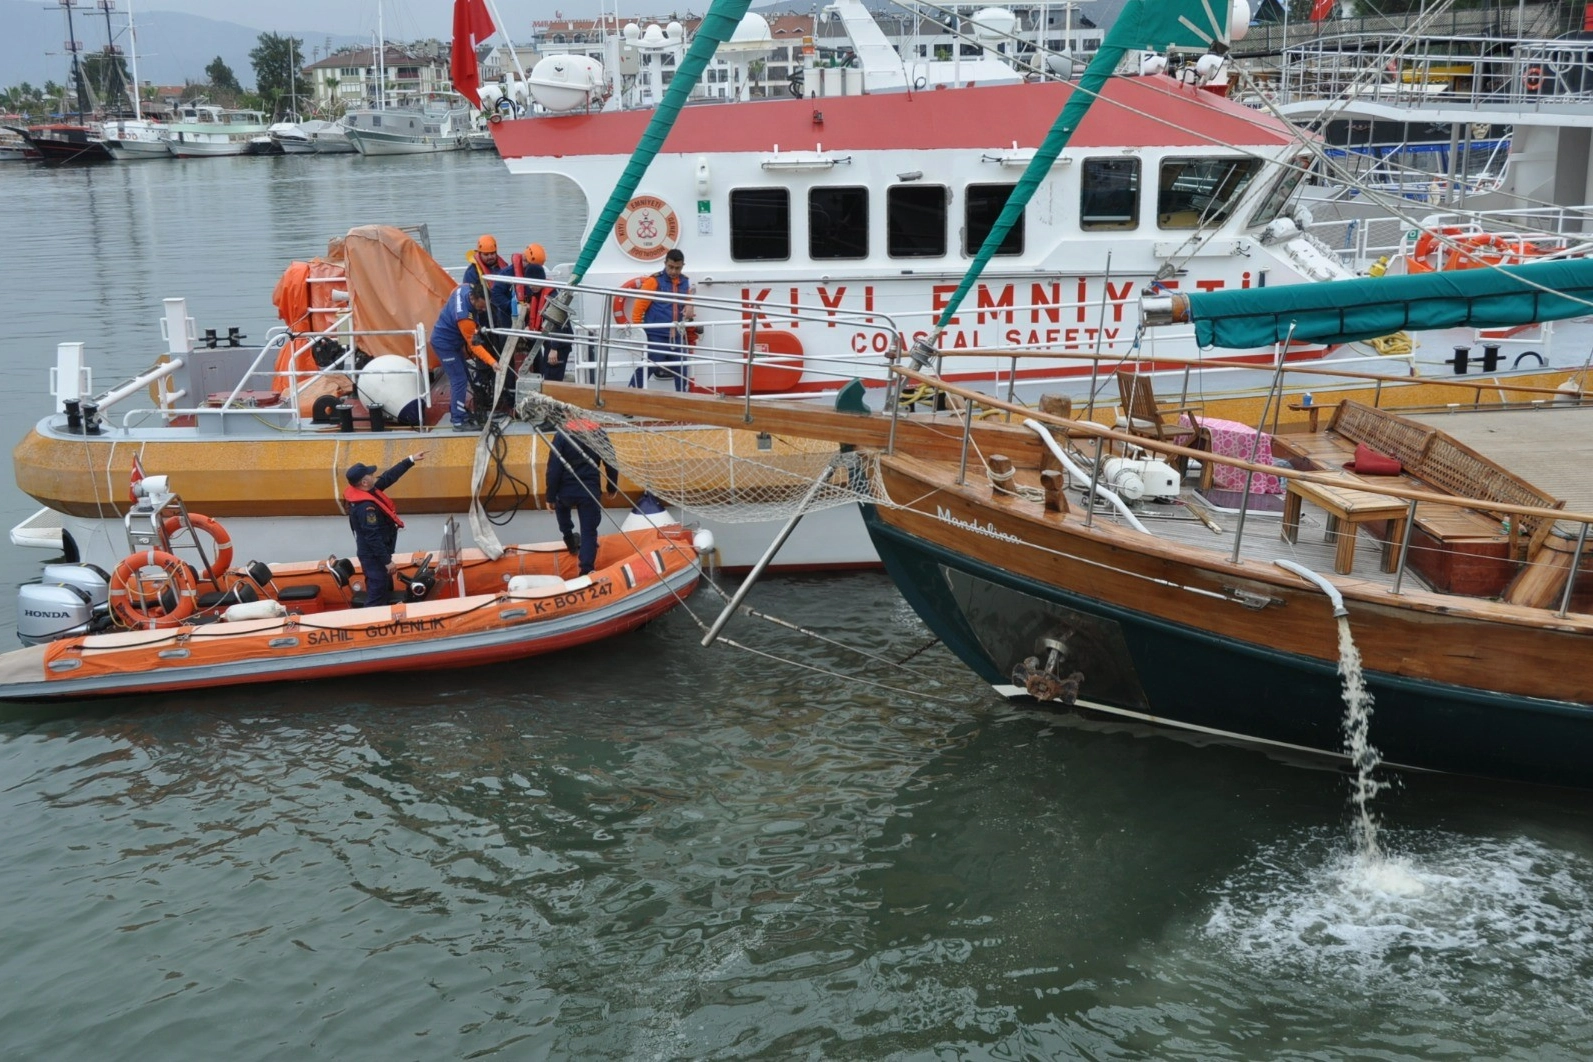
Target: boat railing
1067	336
1567	527
1359	242
734	337
1421	71
261	375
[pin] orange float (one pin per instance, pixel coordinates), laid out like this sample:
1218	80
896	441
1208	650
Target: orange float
218	537
136	605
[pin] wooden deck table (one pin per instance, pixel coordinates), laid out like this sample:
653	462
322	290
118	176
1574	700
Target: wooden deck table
1312	411
1347	508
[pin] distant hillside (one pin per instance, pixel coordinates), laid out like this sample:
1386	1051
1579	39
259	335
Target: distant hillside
172	48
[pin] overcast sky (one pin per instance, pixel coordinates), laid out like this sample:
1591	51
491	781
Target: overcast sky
403	19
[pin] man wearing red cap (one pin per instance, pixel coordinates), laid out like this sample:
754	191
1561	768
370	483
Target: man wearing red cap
576	467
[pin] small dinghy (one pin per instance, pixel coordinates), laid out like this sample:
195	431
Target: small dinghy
164	622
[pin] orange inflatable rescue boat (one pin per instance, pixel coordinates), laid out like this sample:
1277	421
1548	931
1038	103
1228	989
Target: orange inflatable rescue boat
176	615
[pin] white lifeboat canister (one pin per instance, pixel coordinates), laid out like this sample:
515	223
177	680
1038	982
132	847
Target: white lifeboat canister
566	82
392	382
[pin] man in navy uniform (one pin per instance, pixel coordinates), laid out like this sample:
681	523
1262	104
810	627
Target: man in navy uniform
576	467
374	518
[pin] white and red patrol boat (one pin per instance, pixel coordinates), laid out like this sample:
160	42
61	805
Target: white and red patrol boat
828	231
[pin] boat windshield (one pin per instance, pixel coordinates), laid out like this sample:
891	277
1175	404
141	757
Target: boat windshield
1282	189
1201	191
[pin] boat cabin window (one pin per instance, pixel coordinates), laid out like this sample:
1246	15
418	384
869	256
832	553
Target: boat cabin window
915	220
838	223
984	203
1109	194
1278	197
760	224
1195	192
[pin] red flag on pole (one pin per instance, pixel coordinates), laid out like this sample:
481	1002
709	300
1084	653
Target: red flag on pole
1321	9
133	480
472	25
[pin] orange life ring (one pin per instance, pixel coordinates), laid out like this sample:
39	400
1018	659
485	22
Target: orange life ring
149	610
1533	81
623	303
218	537
1427	242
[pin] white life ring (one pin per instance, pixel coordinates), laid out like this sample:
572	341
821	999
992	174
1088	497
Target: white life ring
647	229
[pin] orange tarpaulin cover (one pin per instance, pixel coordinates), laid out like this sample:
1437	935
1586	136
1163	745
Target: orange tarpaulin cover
393	284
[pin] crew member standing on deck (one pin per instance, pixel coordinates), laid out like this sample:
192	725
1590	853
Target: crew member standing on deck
374	518
576	467
453	339
484	265
554	357
666	322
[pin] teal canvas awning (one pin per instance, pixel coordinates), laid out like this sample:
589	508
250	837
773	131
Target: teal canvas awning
1343	311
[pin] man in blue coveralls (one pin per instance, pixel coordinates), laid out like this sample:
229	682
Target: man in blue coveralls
454	338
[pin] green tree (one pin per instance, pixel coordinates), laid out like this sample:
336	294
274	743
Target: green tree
276	69
221	76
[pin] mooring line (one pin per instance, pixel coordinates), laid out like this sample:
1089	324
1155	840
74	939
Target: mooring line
833	674
750	611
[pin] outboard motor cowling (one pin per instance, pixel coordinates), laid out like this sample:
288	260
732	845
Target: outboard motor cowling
90	578
47	611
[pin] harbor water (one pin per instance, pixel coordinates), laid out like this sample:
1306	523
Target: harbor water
797	847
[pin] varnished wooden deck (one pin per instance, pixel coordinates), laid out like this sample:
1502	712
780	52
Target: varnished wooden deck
1262	539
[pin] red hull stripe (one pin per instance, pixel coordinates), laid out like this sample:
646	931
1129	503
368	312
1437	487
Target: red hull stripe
1149	112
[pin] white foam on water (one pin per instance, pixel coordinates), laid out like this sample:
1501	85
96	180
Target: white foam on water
1450	912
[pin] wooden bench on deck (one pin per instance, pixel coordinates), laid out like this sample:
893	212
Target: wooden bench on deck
1461	551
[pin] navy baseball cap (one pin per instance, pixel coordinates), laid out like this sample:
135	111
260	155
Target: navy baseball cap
358	472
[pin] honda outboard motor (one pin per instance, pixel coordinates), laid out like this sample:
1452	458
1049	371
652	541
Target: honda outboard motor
69	600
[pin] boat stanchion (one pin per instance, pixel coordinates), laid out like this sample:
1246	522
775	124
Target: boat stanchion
768	554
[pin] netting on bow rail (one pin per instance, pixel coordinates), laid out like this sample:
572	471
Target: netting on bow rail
729	474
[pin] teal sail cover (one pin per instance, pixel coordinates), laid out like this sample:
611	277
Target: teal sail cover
1143	25
717	26
1343	311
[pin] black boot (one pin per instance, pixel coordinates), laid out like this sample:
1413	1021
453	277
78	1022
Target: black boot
571	542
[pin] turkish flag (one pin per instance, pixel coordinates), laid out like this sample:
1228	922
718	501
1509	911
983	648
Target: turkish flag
134	479
1320	9
472	25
